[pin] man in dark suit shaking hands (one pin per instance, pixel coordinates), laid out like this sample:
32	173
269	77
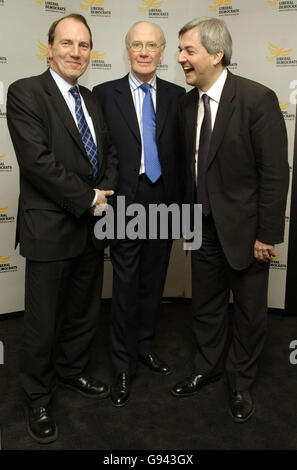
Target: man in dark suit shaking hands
141	112
235	160
68	167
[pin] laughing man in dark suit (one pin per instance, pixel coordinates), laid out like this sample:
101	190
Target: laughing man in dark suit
149	173
235	159
67	167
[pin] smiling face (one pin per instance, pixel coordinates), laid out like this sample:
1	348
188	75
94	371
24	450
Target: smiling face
201	68
144	63
70	52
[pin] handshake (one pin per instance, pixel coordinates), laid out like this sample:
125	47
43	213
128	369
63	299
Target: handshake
101	202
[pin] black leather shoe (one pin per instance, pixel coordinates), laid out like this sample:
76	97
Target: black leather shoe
241	406
120	390
86	386
191	385
40	424
155	364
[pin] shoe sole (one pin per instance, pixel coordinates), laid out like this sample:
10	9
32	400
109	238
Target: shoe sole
40	440
101	396
191	394
242	420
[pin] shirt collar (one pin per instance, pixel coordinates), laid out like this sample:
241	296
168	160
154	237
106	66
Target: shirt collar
136	83
63	86
216	89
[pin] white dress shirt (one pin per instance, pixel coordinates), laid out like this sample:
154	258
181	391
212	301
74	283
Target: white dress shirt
138	95
214	94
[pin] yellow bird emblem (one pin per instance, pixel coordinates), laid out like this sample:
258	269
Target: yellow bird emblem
149	4
219	3
273	3
91	3
40	2
97	55
277	52
43	51
3	209
2	156
283	106
4	260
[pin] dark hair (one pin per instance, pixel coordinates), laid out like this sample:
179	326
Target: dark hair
75	16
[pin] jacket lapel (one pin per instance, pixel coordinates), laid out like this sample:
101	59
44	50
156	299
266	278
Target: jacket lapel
162	104
190	125
125	103
62	109
224	113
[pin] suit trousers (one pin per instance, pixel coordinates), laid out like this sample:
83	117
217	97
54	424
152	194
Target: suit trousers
62	302
212	280
139	273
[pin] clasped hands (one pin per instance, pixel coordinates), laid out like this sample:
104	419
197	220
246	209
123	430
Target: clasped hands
263	252
101	203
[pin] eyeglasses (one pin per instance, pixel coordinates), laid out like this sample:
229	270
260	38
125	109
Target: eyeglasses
137	46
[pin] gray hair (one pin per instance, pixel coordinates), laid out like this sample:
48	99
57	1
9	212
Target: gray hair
214	36
127	37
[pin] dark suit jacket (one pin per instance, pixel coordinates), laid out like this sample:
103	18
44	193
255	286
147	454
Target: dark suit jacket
117	103
55	173
247	174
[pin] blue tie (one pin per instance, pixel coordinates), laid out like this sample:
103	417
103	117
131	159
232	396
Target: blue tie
85	132
151	159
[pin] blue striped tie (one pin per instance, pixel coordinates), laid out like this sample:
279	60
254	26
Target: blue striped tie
85	132
151	159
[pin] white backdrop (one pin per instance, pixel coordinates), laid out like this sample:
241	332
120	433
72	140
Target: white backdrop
264	49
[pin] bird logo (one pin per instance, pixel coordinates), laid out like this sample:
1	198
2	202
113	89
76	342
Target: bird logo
40	2
219	3
97	55
2	156
277	52
4	260
3	209
149	4
43	51
283	106
273	3
91	3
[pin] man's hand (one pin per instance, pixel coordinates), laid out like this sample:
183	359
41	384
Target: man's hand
263	252
101	202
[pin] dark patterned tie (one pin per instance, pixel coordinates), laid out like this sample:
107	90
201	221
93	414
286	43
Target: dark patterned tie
151	159
85	132
204	142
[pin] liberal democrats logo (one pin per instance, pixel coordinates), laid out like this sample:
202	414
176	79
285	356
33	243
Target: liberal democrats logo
98	62
276	263
152	8
6	267
3	166
283	5
284	107
224	7
96	8
280	56
52	6
43	52
4	218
